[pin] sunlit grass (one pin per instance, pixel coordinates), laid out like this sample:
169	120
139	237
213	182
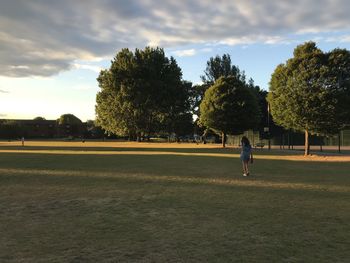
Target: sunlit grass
128	203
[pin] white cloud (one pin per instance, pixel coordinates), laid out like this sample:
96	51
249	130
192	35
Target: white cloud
185	53
43	38
206	49
93	68
339	39
345	39
19	67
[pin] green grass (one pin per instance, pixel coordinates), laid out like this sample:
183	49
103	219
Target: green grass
171	208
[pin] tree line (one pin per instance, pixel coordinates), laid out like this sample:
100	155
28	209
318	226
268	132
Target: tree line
143	94
66	126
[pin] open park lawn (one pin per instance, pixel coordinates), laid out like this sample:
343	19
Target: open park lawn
129	202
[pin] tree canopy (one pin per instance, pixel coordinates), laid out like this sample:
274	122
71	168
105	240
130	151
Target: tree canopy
141	93
229	107
39	118
339	84
68	119
306	94
220	67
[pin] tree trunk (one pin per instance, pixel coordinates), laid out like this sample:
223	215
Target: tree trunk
289	139
138	137
223	139
307	144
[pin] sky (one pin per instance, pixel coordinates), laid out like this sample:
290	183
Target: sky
51	52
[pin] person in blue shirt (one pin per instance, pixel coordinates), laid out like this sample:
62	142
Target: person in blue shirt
246	155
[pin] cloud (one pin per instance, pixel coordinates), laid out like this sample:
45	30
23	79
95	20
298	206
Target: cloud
2	115
185	53
4	91
93	68
339	39
43	38
206	49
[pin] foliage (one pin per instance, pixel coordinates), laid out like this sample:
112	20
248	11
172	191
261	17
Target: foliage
68	119
196	94
39	119
229	107
10	129
339	84
216	67
92	130
305	94
221	67
141	93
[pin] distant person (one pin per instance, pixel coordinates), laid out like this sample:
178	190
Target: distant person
22	141
246	155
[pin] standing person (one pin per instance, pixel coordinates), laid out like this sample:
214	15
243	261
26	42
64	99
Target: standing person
23	141
246	155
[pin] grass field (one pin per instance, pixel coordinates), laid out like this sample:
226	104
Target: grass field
129	202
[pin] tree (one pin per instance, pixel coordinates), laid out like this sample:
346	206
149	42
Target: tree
304	93
229	107
179	118
39	119
261	96
69	125
10	129
220	67
92	130
196	94
216	67
339	84
140	93
69	119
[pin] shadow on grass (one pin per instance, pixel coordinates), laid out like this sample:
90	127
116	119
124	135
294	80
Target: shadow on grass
220	150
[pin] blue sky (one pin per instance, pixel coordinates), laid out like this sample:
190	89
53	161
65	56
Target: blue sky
51	51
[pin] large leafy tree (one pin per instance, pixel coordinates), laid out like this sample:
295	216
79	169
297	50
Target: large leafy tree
69	119
305	93
69	125
179	118
339	85
229	107
262	102
218	66
141	93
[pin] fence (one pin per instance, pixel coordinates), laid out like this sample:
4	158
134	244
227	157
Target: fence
287	139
